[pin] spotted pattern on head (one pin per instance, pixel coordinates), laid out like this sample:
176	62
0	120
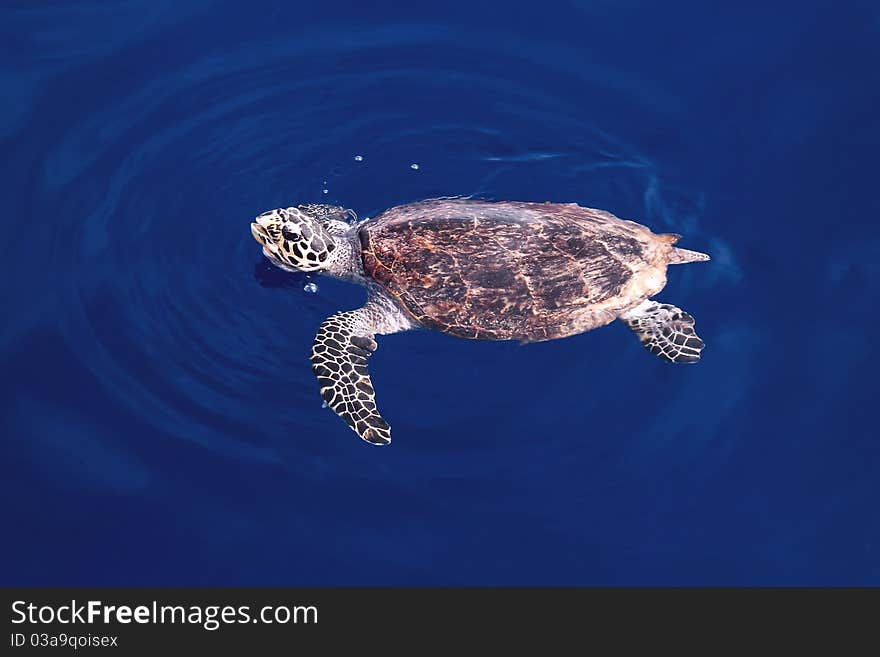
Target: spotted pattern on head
294	239
328	214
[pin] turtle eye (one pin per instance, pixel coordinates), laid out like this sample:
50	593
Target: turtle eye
289	234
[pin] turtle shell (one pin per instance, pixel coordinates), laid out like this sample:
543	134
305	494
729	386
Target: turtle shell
508	270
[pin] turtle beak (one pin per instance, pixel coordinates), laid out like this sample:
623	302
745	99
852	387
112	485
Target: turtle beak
260	234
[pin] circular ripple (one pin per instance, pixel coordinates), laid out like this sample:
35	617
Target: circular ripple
164	293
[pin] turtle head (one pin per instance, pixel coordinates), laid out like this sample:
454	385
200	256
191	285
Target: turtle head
301	238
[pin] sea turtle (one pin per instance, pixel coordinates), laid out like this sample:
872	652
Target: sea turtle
475	269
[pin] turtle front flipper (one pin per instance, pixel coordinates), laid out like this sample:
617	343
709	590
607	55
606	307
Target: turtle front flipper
339	359
665	331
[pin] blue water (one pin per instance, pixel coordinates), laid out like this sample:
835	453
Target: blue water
160	423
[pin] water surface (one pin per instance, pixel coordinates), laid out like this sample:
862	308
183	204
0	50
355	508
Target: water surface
160	423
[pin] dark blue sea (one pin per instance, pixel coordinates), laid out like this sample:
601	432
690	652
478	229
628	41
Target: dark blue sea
160	422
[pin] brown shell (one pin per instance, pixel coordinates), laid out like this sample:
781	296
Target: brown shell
510	270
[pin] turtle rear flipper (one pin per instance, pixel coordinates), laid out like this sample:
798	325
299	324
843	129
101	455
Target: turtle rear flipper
665	330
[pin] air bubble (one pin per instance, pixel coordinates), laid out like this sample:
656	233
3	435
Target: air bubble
326	191
358	158
414	166
310	287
